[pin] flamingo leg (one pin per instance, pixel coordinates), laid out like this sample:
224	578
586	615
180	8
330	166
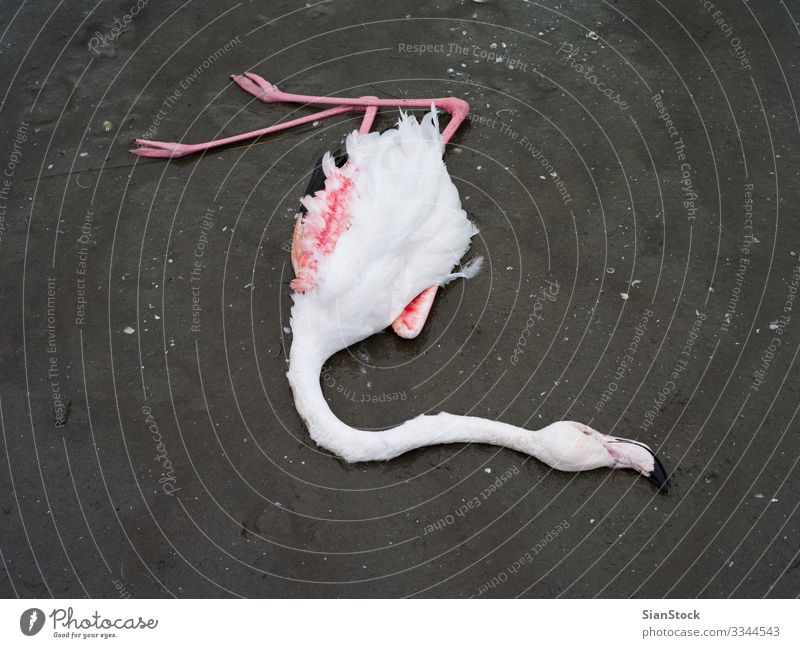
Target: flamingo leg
369	117
457	108
150	148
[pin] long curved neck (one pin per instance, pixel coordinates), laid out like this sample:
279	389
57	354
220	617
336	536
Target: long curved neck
563	445
306	359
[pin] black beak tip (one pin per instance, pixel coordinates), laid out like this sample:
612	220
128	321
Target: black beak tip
659	477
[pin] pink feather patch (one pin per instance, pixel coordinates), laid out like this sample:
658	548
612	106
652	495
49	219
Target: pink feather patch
327	217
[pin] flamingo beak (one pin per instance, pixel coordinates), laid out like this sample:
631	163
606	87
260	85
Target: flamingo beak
659	477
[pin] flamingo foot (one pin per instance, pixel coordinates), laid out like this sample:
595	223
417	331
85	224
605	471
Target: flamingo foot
410	322
257	86
149	148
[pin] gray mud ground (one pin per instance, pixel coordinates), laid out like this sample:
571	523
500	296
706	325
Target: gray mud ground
697	227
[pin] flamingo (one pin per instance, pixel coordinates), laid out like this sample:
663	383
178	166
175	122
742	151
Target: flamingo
380	230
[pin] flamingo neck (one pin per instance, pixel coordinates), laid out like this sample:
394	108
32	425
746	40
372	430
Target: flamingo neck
306	359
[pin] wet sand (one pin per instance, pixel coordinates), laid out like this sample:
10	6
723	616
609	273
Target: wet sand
633	170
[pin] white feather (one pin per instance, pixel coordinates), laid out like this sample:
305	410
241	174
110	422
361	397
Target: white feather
407	232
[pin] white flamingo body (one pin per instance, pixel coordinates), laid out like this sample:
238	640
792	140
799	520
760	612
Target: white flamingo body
384	231
406	232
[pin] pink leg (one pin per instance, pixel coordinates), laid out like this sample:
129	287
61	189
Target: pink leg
176	150
369	117
149	148
268	93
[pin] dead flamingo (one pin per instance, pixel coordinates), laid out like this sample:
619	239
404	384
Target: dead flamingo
379	235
